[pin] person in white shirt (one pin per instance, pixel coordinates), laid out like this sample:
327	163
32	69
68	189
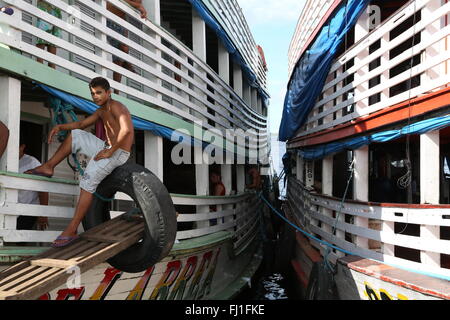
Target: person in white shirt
27	162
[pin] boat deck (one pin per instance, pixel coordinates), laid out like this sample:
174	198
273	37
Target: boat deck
32	278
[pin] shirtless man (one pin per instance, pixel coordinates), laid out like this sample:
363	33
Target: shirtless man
105	155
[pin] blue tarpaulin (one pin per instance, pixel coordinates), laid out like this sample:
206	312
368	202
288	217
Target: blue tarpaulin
420	127
311	70
140	124
211	22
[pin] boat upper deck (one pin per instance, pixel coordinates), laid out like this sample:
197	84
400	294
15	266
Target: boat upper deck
172	81
395	52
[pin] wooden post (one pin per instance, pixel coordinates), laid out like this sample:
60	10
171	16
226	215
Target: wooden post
153	154
429	189
361	188
10	96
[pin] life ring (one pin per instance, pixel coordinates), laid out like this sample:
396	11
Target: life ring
153	200
321	285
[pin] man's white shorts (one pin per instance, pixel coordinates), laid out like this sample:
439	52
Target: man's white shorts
88	144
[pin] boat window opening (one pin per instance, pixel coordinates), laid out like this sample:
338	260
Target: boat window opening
407	253
212	49
405	85
375	64
176	18
375	46
405	25
32	135
388	8
341	162
444	166
387	165
317	185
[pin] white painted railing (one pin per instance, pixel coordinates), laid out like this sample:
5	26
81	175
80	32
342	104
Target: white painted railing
238	214
317	215
232	18
168	74
372	87
310	17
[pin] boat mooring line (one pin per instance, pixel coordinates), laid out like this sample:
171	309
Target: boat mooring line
434	275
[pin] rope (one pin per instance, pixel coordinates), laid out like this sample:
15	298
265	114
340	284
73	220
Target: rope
60	108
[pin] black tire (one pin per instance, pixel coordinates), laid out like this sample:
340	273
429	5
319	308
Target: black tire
321	285
153	199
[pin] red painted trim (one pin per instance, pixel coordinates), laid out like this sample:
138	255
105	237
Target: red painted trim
301	275
390	115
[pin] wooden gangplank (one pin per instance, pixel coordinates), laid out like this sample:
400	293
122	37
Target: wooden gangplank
40	274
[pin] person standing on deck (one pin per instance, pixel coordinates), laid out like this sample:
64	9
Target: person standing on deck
217	190
256	179
105	155
115	25
27	162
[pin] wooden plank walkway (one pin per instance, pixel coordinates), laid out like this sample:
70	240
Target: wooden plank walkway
40	274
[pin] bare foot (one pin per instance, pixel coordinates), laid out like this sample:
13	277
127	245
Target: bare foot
43	170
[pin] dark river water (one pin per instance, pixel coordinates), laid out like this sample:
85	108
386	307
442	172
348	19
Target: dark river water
274	280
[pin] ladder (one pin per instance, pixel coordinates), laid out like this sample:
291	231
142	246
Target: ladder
32	278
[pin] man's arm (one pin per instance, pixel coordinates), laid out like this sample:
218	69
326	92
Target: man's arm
74	125
138	5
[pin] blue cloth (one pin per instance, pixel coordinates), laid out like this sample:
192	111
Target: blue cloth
420	127
311	70
140	124
211	22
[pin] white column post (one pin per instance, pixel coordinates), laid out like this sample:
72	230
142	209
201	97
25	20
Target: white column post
199	49
153	8
224	71
201	182
254	99
198	36
429	189
237	79
309	178
226	172
299	168
361	188
153	156
10	96
240	178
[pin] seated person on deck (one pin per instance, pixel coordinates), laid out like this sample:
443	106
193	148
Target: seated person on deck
105	155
